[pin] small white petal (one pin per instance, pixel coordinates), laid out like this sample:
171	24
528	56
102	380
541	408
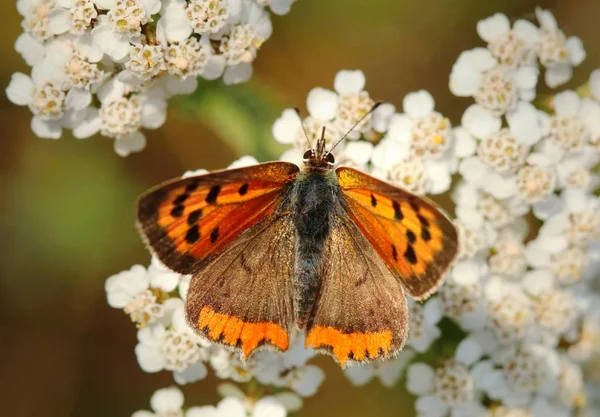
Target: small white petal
286	127
546	19
468	351
133	142
31	49
359	152
191	374
154	113
360	375
420	379
167	399
418	104
576	52
595	83
526	77
215	65
480	122
21	89
47	129
269	407
558	75
59	21
465	143
178	86
322	104
526	30
88	125
525	124
493	27
349	82
78	98
567	103
431	406
237	74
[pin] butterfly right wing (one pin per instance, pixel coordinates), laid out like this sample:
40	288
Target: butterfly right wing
360	313
243	298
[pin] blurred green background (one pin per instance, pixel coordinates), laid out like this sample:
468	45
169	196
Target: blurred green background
67	209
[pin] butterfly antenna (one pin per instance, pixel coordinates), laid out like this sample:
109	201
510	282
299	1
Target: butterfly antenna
377	104
297	110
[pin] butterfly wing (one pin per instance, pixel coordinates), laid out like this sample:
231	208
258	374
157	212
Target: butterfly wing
230	230
188	222
360	313
243	298
414	238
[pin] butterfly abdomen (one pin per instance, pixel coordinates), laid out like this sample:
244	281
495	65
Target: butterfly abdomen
313	197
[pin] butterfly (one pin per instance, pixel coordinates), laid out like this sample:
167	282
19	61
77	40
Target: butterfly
274	248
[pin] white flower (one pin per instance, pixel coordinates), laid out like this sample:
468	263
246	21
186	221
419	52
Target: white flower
510	312
240	44
517	373
511	47
36	19
557	53
164	402
462	295
422	323
175	349
280	7
211	16
496	88
125	286
74	16
354	103
508	256
448	389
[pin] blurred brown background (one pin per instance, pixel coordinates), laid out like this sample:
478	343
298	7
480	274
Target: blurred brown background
67	217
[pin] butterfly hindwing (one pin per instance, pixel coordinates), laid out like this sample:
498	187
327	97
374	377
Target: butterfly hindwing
415	239
187	222
243	298
360	313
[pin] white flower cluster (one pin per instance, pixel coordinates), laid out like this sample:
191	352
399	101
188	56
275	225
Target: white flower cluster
515	329
109	66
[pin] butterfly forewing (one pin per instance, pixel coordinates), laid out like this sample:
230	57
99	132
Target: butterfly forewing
360	313
187	222
415	239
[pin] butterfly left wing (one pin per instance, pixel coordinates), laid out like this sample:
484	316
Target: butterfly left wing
360	313
188	222
242	299
415	239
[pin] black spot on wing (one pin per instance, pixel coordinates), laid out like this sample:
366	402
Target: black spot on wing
213	194
177	211
214	235
423	220
394	253
192	186
181	198
411	236
397	211
193	234
243	189
410	255
425	234
194	216
373	201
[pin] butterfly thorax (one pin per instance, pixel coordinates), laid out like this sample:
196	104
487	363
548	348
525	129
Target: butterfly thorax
314	197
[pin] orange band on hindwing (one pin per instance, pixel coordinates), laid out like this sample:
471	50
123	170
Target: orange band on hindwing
234	332
350	346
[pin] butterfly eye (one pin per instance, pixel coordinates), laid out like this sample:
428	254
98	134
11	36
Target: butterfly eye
329	158
308	154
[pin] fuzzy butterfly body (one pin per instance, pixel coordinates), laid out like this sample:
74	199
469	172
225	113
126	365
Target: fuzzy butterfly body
274	248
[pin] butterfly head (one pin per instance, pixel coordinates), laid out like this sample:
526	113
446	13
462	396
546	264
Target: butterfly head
318	156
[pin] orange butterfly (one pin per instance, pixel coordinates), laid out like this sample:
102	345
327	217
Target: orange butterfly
274	248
